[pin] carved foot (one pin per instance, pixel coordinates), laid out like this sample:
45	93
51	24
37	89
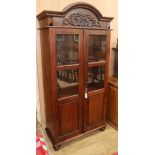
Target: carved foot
102	129
56	147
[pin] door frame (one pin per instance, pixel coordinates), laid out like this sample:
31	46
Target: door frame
53	33
104	91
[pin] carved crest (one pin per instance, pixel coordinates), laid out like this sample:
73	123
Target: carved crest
81	17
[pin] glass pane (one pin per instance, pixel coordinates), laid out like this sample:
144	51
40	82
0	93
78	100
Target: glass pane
67	82
67	49
97	48
95	77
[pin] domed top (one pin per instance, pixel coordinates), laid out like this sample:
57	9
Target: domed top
72	7
75	15
84	6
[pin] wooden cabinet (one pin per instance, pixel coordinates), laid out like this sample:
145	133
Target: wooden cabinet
112	106
75	46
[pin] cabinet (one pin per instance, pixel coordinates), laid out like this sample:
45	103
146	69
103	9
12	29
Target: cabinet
112	106
75	46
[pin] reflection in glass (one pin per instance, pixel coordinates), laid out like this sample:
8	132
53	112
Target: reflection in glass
67	49
67	82
95	78
97	48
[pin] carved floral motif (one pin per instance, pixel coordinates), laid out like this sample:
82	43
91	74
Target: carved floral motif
81	17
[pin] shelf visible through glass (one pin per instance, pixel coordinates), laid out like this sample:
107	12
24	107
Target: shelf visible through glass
67	82
96	78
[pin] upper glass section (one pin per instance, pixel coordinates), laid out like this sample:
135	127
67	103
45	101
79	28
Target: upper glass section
67	47
97	48
96	77
68	82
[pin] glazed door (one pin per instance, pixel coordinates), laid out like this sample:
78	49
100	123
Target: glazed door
68	80
80	77
95	78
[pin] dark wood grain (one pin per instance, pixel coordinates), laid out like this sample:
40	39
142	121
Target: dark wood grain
112	106
69	120
64	67
95	109
115	62
99	63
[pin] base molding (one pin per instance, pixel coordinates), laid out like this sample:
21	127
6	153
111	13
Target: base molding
102	129
112	124
56	146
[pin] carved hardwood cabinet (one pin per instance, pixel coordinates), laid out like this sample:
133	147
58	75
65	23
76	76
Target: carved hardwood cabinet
75	45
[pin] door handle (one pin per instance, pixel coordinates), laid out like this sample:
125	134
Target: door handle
86	93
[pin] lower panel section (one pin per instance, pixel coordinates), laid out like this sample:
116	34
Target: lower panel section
68	118
94	110
112	106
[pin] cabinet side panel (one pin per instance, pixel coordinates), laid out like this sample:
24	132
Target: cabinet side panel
46	66
112	106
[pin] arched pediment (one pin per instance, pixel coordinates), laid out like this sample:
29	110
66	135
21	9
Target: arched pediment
84	6
76	15
81	17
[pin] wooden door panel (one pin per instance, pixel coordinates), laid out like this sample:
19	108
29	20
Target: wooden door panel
67	54
95	109
96	68
112	107
68	117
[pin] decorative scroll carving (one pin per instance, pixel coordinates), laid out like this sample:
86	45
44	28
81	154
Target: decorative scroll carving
81	17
